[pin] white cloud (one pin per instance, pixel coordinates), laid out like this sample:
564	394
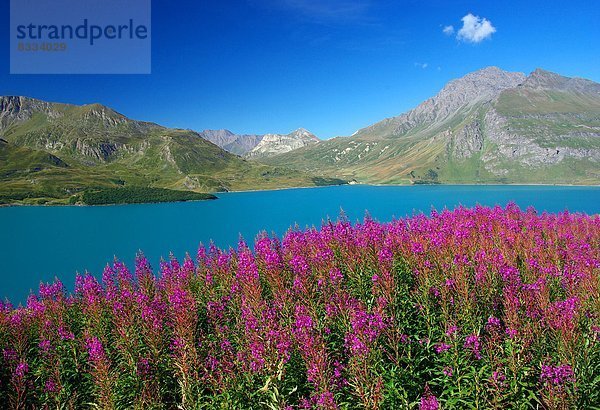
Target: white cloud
422	65
475	29
448	30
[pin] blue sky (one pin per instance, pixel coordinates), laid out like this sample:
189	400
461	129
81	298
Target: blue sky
332	67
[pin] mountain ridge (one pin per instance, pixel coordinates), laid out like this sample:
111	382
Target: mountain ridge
274	144
238	144
489	126
464	91
55	151
256	146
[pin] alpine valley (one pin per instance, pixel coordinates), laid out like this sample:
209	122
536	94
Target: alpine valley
490	126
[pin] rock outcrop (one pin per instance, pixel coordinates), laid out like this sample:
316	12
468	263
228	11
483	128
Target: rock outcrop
234	143
274	144
254	146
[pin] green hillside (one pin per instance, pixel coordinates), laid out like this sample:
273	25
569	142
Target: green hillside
53	152
487	127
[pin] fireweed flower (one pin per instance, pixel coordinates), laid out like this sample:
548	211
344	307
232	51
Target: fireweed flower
561	314
88	287
511	333
65	334
51	291
95	349
45	346
50	386
472	343
325	400
303	320
22	369
435	291
16	319
335	276
180	300
36	307
366	327
442	347
498	376
451	331
557	375
428	401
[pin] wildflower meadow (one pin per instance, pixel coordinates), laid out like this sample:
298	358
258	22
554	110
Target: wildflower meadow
471	308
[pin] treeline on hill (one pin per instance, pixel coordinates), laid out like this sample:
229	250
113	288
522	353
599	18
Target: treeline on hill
10	197
324	181
136	195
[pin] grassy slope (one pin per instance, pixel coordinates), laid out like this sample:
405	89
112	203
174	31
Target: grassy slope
549	118
94	147
392	159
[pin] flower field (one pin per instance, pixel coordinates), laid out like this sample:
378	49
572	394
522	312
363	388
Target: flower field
471	308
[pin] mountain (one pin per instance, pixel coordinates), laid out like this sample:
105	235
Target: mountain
490	126
274	144
55	151
230	142
259	146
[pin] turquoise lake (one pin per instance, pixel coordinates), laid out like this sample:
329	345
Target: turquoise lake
40	243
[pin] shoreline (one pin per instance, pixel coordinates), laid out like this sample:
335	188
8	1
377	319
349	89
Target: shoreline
217	193
409	185
484	184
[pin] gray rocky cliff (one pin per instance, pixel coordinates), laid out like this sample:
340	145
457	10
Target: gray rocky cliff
274	144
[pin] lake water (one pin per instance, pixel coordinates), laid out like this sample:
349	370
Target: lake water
39	243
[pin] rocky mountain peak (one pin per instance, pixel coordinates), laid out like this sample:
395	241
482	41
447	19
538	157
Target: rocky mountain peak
99	112
303	133
234	143
490	74
15	108
481	84
222	133
18	106
462	93
540	72
274	144
259	145
541	79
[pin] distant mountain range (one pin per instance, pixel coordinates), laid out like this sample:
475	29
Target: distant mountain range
490	126
53	152
236	144
260	146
